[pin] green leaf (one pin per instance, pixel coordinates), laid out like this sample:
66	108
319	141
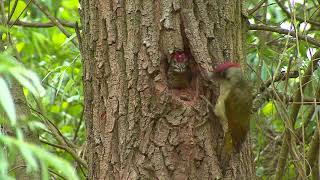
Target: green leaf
29	158
70	4
7	61
75	110
50	160
67	129
269	109
278	125
24	81
29	80
36	82
7	101
58	38
4	166
34	125
19	8
19	46
69	85
60	81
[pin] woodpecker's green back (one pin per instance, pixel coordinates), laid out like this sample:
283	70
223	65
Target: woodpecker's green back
238	106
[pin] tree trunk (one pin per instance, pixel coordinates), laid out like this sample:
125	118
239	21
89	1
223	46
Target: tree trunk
138	127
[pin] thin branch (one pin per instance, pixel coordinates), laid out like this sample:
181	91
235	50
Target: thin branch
286	98
281	109
52	127
279	77
17	167
309	117
282	158
69	150
297	17
54	20
41	24
65	143
55	131
3	14
253	10
284	31
313	151
29	2
77	30
294	113
54	145
269	94
54	173
13	9
262	95
78	127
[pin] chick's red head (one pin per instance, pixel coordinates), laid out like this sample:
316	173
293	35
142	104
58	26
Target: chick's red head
179	57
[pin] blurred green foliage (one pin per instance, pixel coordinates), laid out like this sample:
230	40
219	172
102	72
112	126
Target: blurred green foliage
50	64
269	54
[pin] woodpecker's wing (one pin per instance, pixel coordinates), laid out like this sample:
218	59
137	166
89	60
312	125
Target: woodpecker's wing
238	110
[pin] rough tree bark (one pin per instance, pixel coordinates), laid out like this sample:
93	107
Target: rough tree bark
137	127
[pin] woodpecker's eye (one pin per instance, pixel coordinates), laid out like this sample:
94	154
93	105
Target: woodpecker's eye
223	75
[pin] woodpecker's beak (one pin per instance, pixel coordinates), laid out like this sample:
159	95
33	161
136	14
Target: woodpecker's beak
219	75
214	76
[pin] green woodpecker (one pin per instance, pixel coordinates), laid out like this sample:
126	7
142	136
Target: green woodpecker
179	73
234	105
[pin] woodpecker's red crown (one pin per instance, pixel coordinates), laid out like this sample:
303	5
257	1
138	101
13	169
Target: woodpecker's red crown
225	66
179	56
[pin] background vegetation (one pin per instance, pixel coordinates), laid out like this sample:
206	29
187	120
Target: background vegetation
39	50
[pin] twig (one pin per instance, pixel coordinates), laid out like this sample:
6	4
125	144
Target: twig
310	115
55	131
54	173
297	17
54	20
12	11
3	14
70	151
17	167
54	145
261	96
77	29
286	98
251	11
29	2
281	109
294	113
78	127
279	77
41	24
313	151
284	31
